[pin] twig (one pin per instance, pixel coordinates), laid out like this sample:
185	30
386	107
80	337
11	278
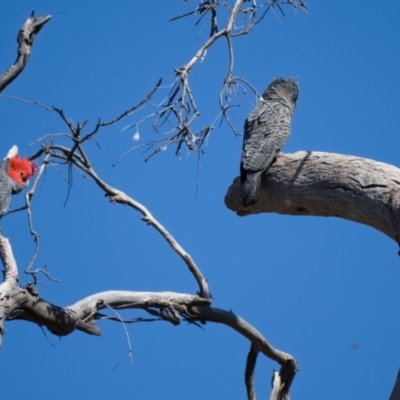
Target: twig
35	103
28	198
129	111
126	334
126	321
47	337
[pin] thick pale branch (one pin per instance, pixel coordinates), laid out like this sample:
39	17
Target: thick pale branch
25	303
25	41
31	308
330	185
123	299
192	308
7	257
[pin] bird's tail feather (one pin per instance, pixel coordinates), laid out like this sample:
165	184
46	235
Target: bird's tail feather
250	188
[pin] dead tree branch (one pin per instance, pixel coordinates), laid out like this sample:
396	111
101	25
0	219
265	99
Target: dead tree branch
258	341
329	185
249	373
25	39
191	308
8	260
24	303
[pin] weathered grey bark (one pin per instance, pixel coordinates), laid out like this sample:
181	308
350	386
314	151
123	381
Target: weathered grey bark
329	185
173	305
24	302
25	41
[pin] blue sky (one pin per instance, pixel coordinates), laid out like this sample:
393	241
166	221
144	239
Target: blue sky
312	286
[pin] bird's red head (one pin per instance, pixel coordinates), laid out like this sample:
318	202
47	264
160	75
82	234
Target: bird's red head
21	170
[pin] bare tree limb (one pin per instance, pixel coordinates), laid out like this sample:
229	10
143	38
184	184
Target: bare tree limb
25	39
249	373
192	308
16	302
24	303
329	185
8	260
281	382
122	299
258	341
81	315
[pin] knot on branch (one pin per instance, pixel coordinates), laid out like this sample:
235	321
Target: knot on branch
64	323
32	290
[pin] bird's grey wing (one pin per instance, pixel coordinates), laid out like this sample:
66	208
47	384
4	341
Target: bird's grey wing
265	133
5	187
266	130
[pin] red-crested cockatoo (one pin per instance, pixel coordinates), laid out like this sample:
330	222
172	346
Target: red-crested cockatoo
14	176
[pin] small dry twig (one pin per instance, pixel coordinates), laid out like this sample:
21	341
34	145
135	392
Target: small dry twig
178	111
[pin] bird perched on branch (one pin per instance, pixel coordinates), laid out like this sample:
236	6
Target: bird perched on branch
14	176
266	130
